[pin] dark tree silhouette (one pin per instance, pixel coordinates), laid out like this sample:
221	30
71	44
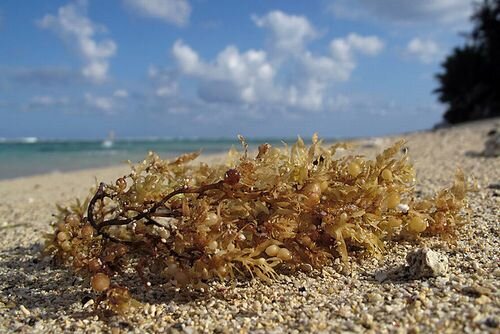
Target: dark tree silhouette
470	82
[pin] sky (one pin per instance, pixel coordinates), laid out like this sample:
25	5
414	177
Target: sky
204	68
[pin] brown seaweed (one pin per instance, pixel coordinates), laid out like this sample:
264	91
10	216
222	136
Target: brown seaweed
191	222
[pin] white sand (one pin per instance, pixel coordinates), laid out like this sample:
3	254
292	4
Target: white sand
37	297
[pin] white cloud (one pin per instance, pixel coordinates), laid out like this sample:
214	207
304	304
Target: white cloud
96	71
187	58
73	26
171	11
101	103
344	51
322	67
240	77
368	45
289	33
339	64
297	79
120	93
165	81
286	75
425	50
309	95
440	11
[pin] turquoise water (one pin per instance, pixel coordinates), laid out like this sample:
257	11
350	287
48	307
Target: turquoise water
30	157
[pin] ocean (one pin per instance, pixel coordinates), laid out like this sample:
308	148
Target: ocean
31	156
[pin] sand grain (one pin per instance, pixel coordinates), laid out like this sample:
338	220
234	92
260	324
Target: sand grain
37	297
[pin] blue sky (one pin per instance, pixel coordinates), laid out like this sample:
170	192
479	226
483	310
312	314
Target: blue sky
201	68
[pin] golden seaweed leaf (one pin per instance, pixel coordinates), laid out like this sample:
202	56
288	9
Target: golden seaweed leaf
296	206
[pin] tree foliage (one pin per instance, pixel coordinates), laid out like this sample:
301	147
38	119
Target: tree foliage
470	81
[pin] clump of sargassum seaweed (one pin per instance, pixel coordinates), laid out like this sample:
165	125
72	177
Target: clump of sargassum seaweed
190	223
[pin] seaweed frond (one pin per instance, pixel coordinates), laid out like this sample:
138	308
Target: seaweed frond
190	223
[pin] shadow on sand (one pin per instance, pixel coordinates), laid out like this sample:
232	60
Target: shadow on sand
27	279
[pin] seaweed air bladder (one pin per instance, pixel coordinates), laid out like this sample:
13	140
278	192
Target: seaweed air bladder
190	223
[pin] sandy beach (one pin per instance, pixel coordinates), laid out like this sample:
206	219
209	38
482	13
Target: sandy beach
37	297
